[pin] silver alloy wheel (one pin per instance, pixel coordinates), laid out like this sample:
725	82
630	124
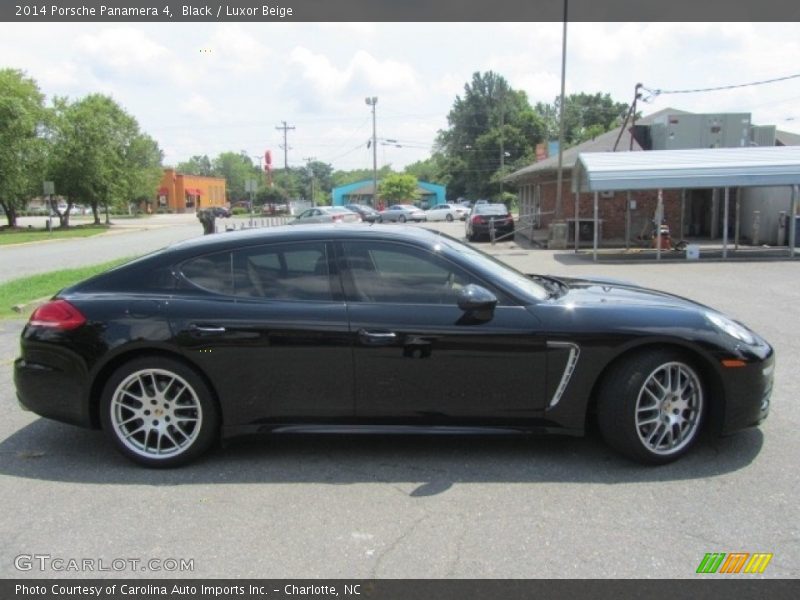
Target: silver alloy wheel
155	413
668	408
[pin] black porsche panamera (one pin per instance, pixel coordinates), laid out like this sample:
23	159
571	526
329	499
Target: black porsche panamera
380	330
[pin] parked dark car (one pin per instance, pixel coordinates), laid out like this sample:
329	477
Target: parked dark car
221	212
381	330
484	216
367	213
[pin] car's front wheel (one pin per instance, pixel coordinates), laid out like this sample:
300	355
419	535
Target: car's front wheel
159	412
402	218
651	407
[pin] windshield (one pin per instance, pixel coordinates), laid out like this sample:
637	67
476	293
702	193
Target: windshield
491	209
508	276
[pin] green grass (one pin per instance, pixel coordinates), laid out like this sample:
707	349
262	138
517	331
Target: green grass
18	236
27	289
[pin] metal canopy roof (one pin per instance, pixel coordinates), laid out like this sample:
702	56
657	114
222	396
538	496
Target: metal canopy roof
698	168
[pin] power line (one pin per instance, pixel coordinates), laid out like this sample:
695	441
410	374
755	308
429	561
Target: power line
362	145
658	92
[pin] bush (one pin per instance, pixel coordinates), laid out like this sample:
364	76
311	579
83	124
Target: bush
239	210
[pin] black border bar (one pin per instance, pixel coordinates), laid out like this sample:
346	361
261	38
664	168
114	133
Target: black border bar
281	11
703	587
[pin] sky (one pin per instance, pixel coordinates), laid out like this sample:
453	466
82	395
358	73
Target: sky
206	88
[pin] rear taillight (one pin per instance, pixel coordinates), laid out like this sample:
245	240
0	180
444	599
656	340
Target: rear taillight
57	314
478	219
337	218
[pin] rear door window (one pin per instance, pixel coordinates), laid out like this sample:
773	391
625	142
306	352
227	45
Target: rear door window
298	271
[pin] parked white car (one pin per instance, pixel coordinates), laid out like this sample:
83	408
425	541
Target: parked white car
447	212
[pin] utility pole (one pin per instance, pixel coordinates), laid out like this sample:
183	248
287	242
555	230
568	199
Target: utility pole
502	147
285	145
372	101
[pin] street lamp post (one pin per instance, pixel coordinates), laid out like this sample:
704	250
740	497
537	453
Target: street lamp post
558	229
372	101
250	186
309	160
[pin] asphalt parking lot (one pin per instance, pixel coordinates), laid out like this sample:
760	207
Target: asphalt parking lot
366	507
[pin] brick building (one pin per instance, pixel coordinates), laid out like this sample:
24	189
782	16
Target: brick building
628	215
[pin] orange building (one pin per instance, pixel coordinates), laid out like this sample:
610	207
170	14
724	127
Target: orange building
179	193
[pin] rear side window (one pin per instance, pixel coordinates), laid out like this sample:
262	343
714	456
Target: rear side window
297	271
211	272
491	209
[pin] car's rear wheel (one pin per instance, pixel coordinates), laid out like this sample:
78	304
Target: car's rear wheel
449	218
159	412
651	407
402	218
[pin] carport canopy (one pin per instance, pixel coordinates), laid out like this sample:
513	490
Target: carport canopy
697	168
753	166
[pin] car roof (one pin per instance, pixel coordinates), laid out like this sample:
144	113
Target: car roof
282	233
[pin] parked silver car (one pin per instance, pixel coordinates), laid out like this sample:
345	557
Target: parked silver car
326	214
402	213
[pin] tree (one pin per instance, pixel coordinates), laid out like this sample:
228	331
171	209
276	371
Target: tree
492	130
237	169
429	169
143	169
585	116
317	175
197	165
99	155
287	184
398	188
340	178
22	143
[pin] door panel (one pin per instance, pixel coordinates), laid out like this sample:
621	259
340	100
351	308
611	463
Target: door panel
274	338
418	357
426	362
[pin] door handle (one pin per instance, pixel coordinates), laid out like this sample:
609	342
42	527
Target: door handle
376	338
206	329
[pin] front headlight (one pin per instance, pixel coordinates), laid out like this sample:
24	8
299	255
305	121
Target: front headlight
732	328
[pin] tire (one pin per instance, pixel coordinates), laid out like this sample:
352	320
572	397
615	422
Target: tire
177	422
449	218
402	218
380	219
651	407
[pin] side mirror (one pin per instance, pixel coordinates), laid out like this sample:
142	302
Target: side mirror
474	298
